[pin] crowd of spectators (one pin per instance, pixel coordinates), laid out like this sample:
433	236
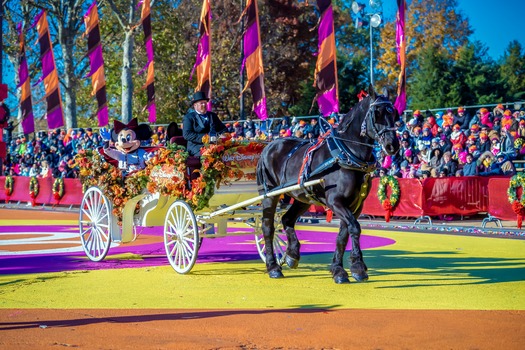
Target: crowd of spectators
454	143
441	144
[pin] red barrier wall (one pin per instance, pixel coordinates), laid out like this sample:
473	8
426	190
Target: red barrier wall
498	203
410	201
432	197
72	191
455	195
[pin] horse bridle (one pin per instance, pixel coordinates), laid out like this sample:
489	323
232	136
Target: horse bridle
379	134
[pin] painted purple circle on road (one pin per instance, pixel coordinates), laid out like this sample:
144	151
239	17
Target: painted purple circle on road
136	255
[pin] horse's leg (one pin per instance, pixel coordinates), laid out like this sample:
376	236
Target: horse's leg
349	227
269	206
293	253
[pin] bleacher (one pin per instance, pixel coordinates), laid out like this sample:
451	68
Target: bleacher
519	165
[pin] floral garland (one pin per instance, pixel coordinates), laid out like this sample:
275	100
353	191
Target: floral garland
95	171
171	163
518	204
58	189
8	187
34	188
388	204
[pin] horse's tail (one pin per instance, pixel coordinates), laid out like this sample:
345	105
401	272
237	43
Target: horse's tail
261	175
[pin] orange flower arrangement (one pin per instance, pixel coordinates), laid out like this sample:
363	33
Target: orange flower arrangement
166	173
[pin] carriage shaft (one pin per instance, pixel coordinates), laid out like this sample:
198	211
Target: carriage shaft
261	197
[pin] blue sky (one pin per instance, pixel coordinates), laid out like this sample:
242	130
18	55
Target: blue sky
495	23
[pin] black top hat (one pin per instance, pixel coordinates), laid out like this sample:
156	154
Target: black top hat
199	96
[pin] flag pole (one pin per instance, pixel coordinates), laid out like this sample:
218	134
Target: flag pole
241	97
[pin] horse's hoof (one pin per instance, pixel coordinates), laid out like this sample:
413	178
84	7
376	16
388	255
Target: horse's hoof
360	277
358	270
275	274
341	279
291	262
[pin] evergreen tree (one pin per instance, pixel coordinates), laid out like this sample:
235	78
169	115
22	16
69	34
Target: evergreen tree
475	77
512	71
431	82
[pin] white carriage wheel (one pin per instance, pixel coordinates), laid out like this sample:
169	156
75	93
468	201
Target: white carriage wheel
181	237
95	223
279	247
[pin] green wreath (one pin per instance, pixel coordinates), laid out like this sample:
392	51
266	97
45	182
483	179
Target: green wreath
517	181
384	182
8	185
34	187
58	188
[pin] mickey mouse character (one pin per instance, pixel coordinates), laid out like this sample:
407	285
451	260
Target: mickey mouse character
127	151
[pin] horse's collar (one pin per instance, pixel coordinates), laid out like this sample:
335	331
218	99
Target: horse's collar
341	153
346	159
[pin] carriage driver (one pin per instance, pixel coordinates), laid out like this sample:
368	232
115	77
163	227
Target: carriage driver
200	122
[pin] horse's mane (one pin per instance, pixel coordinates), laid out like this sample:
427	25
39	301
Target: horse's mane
348	117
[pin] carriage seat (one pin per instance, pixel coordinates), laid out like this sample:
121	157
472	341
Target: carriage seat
179	140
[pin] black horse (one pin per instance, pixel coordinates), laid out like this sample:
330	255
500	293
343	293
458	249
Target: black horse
343	157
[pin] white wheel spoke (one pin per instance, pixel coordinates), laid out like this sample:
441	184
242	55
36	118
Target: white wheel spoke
181	237
95	224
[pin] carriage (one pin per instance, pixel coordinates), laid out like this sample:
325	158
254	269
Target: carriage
333	171
184	225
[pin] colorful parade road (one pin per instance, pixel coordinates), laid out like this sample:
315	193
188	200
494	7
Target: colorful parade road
448	289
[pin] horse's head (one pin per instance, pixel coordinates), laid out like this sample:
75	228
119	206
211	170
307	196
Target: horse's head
377	116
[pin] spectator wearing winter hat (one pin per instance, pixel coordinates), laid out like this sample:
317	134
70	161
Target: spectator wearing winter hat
471	140
426	137
521	128
436	160
507	119
448	120
474	130
494	143
419	117
486	118
435	143
457	136
475	119
439	118
462	119
416	132
484	142
498	111
449	164
501	166
431	122
445	144
456	150
507	144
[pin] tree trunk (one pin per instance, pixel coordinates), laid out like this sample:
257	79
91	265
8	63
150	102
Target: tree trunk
70	86
126	78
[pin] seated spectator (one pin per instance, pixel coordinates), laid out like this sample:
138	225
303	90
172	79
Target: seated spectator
457	136
484	161
486	118
462	119
448	164
425	174
445	145
521	128
395	171
494	143
470	168
443	173
46	171
484	143
507	144
501	166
